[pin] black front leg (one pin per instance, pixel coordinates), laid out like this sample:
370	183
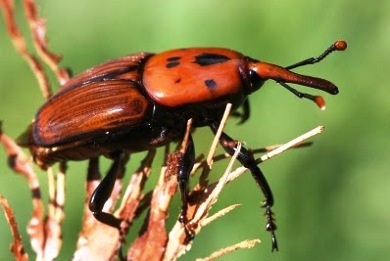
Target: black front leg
246	158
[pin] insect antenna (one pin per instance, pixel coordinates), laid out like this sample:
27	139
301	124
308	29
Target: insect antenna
339	45
316	99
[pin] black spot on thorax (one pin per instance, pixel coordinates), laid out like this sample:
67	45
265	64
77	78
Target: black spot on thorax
211	84
173	61
205	59
174	58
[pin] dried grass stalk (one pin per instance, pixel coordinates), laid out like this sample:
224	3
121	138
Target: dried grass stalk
17	246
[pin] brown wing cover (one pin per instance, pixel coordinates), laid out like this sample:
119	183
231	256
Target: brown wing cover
126	67
89	111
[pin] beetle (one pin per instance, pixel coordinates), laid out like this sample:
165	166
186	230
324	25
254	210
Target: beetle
143	101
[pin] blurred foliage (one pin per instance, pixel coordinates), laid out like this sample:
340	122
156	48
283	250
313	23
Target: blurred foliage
330	198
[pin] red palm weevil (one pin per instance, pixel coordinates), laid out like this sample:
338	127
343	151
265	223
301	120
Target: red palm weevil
143	101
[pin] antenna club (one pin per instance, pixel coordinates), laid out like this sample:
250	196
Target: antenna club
340	45
320	102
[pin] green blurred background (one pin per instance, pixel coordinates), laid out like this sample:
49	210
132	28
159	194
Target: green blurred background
330	198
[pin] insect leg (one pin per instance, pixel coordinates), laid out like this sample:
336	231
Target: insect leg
246	158
244	114
103	192
186	163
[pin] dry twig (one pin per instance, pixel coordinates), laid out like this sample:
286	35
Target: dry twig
22	164
17	246
38	30
230	249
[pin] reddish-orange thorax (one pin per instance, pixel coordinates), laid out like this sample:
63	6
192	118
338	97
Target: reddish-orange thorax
187	76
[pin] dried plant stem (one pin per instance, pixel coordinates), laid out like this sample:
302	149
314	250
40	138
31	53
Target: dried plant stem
133	194
7	6
17	246
219	214
48	245
230	249
278	149
38	31
291	144
215	142
22	164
